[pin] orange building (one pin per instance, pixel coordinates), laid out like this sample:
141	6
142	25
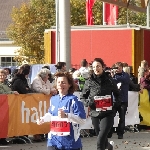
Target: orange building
130	44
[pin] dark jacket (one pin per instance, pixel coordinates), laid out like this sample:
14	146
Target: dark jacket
124	79
133	86
99	86
19	84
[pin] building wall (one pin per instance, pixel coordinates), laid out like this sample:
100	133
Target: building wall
7	52
146	39
110	45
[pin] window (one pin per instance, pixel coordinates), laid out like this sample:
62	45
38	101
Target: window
8	61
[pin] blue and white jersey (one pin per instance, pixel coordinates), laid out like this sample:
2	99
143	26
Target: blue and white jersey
76	115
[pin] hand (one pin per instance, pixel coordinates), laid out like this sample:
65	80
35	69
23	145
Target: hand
141	91
61	114
15	92
40	121
54	92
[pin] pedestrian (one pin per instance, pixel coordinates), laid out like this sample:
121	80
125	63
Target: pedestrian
122	78
98	93
61	67
66	113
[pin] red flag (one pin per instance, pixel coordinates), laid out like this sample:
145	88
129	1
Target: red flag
111	14
89	14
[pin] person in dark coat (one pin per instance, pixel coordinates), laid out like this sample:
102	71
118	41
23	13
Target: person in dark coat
101	95
122	78
19	82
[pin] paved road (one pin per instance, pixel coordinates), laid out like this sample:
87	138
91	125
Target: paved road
131	141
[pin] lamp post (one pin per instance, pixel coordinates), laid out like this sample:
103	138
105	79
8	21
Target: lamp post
65	32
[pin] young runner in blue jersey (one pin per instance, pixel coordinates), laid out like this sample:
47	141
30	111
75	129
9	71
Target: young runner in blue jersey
66	113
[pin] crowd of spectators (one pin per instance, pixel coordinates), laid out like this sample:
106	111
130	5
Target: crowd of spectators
17	82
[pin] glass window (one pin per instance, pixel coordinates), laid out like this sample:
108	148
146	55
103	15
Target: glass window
8	61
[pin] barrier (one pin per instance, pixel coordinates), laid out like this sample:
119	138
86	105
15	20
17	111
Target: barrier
144	108
18	113
132	114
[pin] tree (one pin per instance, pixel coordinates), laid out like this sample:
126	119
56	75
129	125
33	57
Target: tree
27	29
133	17
78	12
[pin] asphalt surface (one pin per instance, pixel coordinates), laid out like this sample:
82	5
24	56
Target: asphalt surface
131	141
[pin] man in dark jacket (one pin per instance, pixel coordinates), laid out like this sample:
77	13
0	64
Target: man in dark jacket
123	79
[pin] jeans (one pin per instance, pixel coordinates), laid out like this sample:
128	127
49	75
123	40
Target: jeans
102	127
122	112
53	148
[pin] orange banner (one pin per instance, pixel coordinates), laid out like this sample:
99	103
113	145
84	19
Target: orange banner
24	110
4	116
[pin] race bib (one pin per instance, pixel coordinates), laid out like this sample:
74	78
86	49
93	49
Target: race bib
103	103
60	126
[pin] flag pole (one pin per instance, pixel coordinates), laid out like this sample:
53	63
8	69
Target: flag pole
57	31
104	14
148	14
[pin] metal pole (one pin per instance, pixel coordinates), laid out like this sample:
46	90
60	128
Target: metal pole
65	32
57	31
148	15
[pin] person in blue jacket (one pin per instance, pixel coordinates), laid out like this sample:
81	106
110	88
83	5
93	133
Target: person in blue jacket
65	114
123	80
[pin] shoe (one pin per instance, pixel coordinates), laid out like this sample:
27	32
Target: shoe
18	141
110	147
37	138
120	136
3	141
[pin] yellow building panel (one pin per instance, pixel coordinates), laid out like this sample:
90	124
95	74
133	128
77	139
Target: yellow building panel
47	46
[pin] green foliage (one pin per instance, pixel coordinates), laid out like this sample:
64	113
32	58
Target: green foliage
133	17
98	13
27	29
78	12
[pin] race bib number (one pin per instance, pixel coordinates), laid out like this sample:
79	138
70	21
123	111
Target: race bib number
103	103
60	126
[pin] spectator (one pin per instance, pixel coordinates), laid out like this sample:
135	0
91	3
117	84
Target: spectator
133	78
72	70
4	89
145	81
61	67
123	79
67	106
8	76
96	88
51	79
132	85
19	82
85	73
41	84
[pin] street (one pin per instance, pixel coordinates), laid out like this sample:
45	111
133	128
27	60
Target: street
131	141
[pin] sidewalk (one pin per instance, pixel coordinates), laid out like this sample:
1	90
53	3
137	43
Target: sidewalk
131	141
